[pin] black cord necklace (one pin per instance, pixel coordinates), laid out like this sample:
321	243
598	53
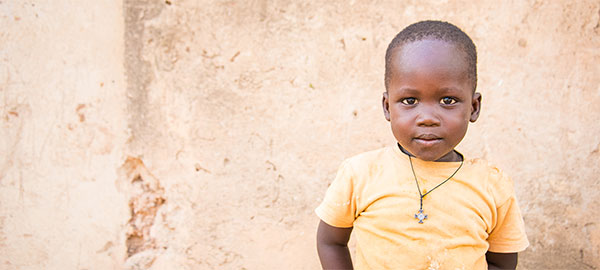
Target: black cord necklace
420	215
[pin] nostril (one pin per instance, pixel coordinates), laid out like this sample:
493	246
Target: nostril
428	124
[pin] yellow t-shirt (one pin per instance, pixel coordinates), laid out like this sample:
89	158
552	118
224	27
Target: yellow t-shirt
376	193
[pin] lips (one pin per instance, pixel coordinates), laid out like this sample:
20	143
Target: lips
428	139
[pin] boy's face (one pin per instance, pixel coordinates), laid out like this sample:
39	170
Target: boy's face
430	100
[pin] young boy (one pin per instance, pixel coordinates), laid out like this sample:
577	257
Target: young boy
420	204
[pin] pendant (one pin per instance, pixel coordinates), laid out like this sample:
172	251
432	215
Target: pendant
420	216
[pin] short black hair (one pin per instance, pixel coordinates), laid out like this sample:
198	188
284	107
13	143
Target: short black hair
439	30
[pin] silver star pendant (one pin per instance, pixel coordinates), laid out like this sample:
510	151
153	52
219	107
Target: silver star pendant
420	216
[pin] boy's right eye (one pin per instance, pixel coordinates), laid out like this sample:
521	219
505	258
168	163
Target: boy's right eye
409	101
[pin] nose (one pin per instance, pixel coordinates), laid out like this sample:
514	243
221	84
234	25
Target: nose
428	116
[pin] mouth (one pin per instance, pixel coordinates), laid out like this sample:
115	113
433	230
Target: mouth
428	139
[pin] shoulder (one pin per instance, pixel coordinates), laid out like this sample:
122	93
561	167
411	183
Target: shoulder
486	168
372	166
371	159
497	181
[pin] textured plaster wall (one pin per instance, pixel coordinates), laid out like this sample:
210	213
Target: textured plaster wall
62	135
202	134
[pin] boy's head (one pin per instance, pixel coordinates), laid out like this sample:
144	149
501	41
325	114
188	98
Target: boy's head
430	96
437	30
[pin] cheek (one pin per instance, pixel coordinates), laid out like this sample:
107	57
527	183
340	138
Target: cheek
459	125
464	115
403	119
400	113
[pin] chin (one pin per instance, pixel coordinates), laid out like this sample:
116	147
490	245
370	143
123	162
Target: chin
428	156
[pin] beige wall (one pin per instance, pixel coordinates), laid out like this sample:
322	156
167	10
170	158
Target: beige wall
202	134
62	134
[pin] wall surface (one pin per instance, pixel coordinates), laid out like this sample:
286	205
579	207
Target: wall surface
202	134
63	133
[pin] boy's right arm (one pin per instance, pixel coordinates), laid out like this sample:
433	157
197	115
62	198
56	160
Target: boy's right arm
332	246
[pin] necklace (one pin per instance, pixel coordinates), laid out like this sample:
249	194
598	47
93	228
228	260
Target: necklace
420	215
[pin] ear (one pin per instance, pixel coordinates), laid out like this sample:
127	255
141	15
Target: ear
475	107
385	102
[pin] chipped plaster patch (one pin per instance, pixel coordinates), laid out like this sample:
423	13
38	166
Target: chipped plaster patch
146	196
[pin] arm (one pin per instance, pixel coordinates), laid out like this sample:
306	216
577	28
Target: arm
332	246
501	260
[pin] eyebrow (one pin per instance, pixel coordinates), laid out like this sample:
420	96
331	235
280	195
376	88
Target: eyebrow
449	89
408	90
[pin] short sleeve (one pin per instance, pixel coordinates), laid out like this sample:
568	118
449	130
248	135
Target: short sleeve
339	206
508	234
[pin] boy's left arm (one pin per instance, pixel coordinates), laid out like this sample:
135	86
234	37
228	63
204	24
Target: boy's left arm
507	236
501	260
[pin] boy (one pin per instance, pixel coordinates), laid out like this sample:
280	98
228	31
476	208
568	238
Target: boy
419	204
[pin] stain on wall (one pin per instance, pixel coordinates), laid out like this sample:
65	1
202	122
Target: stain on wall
139	72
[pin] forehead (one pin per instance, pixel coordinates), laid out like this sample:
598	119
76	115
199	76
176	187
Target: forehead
429	56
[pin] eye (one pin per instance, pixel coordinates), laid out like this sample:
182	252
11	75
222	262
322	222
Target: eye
409	101
448	100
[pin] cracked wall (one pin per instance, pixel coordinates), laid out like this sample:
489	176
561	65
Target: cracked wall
201	134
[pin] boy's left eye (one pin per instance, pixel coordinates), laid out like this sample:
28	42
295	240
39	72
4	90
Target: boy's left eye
448	100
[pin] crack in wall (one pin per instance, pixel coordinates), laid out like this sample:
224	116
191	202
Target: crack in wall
146	196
